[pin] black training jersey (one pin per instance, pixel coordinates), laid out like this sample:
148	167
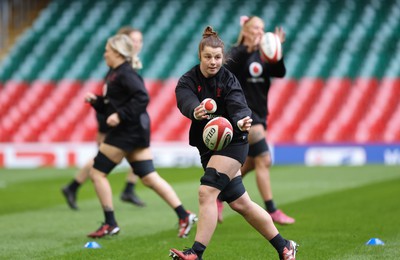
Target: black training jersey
224	88
125	93
254	76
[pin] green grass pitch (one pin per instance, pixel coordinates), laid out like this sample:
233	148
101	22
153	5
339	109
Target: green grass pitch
337	210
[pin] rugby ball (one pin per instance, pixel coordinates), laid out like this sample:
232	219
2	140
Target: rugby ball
270	48
217	133
209	105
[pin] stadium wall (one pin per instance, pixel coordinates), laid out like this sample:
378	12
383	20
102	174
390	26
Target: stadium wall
180	154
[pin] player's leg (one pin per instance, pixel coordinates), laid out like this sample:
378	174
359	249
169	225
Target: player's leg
218	174
128	194
104	162
259	151
258	218
246	168
70	191
141	161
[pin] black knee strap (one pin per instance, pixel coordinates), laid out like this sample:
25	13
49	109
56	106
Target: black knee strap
234	190
258	148
214	179
142	168
103	163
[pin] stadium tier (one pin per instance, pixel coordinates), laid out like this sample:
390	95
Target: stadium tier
342	82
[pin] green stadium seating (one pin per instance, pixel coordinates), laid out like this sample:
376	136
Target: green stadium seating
332	47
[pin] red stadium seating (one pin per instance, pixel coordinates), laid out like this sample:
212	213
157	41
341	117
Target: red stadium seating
280	92
162	104
325	108
342	128
173	127
372	126
10	94
301	102
392	131
153	86
308	110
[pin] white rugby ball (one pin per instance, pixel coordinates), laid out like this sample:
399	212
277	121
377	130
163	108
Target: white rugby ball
270	48
217	133
209	105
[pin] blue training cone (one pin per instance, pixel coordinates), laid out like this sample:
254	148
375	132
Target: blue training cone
92	244
374	242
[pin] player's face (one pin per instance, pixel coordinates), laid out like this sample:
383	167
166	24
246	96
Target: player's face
111	56
211	61
254	29
137	40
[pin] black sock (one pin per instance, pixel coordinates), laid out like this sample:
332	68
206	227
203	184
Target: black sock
279	243
270	206
181	212
73	186
199	249
129	187
110	218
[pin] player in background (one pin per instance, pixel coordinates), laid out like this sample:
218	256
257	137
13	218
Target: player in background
222	176
254	75
128	194
124	103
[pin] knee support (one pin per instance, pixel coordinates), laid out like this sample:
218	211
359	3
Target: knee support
142	168
234	190
258	148
214	179
103	163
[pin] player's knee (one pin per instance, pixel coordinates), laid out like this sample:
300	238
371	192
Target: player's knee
207	194
103	164
214	179
263	161
142	168
233	191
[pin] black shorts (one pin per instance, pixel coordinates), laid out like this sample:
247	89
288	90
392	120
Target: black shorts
101	123
237	151
129	136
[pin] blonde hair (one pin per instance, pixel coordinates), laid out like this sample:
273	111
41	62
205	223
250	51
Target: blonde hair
246	22
122	44
211	39
127	30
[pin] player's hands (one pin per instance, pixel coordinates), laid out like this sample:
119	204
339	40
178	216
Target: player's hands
90	97
113	120
200	113
281	34
244	124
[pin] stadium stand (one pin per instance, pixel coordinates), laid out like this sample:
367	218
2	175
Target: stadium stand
342	82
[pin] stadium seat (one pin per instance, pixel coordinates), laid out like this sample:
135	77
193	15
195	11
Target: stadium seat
342	128
279	94
325	108
392	132
60	57
302	101
12	91
372	126
168	131
162	104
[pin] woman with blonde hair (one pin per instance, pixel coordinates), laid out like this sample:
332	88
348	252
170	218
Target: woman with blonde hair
254	75
124	103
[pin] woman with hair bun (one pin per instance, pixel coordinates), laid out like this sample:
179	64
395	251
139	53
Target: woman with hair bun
222	178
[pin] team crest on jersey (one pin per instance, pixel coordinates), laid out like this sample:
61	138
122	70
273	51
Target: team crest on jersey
255	69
